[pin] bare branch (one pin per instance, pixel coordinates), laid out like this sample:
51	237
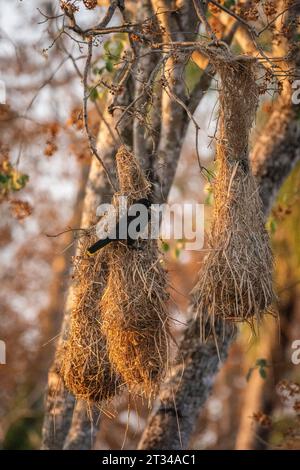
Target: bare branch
200	10
171	134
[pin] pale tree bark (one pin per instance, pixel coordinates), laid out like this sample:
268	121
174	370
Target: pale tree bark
278	149
272	163
59	404
83	429
144	67
50	318
186	391
177	27
252	402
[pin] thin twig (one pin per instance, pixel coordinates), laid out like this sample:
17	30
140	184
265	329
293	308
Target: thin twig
199	8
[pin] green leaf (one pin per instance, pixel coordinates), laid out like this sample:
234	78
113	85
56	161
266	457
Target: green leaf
177	252
114	48
93	94
262	362
262	372
109	65
209	199
4	178
192	74
106	46
24	179
165	246
249	374
20	182
229	3
273	226
210	175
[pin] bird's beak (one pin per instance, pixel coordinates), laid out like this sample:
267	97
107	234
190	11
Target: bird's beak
89	254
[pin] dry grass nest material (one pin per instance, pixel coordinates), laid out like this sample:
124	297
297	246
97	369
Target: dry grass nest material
86	369
135	318
235	282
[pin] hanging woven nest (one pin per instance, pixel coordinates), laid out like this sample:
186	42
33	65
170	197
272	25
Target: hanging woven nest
235	282
86	369
134	312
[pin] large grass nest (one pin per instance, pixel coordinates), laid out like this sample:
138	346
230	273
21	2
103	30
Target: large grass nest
135	319
134	313
235	282
86	369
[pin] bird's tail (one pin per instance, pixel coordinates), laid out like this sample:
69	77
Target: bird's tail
92	250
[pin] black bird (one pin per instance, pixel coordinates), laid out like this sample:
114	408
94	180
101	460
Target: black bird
125	219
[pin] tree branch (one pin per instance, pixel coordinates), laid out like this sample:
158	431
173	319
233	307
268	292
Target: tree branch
84	427
172	119
200	10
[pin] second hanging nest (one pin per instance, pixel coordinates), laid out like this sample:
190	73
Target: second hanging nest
86	369
235	282
134	312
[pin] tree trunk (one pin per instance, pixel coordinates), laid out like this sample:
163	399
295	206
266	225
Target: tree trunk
256	388
83	429
187	389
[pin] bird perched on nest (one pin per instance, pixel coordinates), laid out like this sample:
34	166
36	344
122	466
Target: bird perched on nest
118	234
